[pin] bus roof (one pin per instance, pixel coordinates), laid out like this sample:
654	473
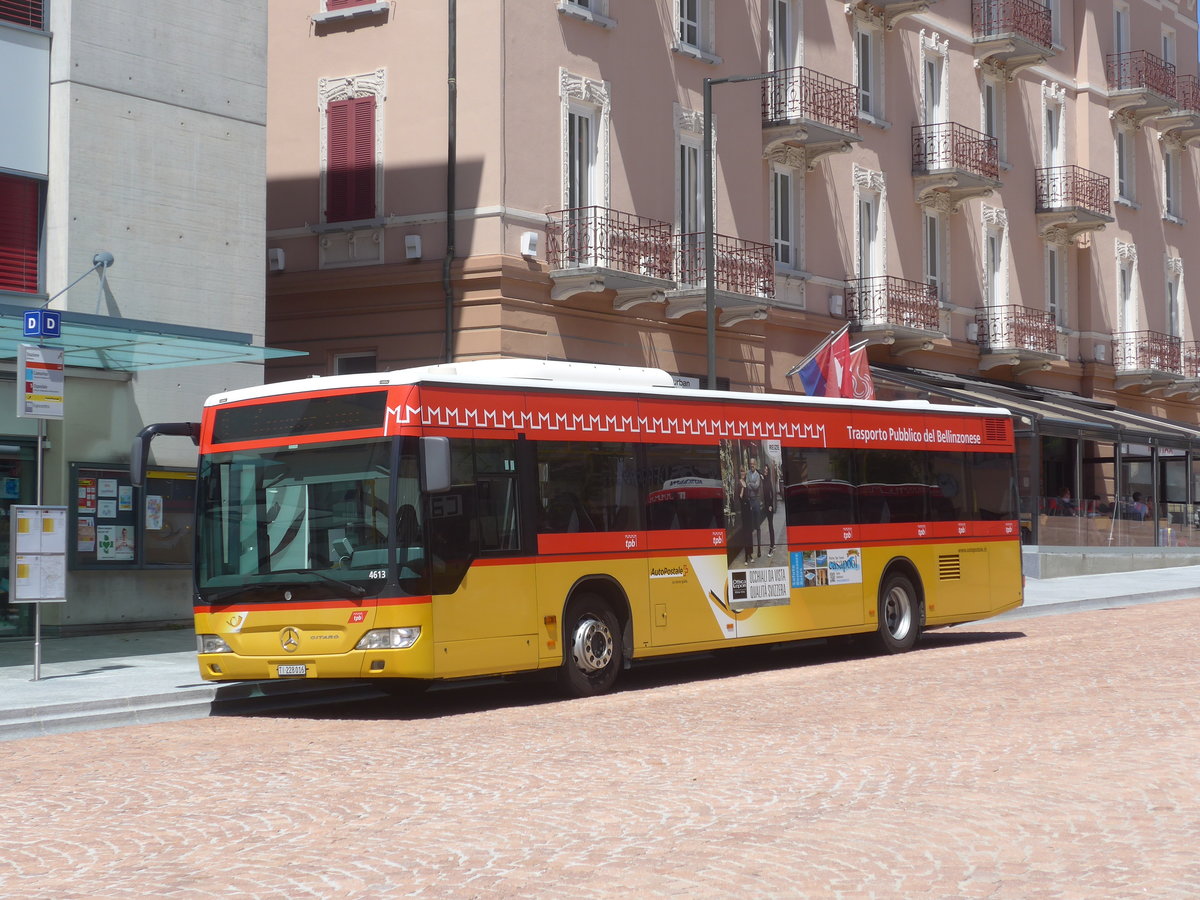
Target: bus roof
539	374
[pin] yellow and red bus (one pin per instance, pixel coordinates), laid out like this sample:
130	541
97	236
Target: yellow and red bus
497	517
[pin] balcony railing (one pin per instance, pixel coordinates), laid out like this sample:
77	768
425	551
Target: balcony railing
742	267
1017	328
1189	352
804	94
1187	94
1029	19
1151	350
888	300
1139	70
948	145
1064	187
592	236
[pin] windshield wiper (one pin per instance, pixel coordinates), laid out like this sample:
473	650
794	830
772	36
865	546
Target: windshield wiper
355	589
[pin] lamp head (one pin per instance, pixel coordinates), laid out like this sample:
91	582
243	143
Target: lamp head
103	259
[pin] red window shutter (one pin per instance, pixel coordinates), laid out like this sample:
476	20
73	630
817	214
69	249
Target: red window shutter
19	207
350	178
23	12
331	5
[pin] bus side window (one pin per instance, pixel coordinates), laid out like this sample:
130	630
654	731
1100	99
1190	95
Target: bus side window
683	487
819	488
586	486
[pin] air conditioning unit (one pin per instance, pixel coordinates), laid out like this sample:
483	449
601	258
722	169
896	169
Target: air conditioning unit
276	261
1100	352
837	305
412	246
529	244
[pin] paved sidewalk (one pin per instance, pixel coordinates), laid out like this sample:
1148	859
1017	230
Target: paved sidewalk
143	677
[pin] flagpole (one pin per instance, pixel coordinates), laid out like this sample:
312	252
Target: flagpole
829	339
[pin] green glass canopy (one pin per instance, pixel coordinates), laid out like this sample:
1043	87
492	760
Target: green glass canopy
129	345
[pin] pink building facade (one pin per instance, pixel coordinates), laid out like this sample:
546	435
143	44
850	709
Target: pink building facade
996	194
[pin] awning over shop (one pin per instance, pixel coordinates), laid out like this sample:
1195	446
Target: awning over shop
1049	411
128	345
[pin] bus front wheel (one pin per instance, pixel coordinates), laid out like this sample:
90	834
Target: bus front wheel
591	648
899	614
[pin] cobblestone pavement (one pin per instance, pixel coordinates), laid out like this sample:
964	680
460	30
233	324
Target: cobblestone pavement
1056	757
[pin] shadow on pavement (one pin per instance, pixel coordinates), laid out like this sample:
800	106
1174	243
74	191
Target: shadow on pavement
364	700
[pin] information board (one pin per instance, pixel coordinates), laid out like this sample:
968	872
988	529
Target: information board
38	554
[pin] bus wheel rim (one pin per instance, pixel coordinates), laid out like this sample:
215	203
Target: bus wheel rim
592	648
897	613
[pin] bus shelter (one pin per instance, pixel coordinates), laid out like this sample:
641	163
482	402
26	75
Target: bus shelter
1089	474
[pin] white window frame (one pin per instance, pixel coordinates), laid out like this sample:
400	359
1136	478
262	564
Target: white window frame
992	96
1170	46
593	11
1127	288
1174	297
1124	166
587	97
1172	184
1056	282
695	29
1055	7
995	257
785	181
786	46
868	217
1121	39
868	44
934	256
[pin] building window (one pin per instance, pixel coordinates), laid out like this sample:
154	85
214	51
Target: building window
350	177
935	255
1055	284
695	24
20	231
870	261
1127	317
29	13
783	218
868	65
1175	297
1055	7
1124	165
354	363
993	112
1172	190
1121	28
1168	45
581	157
585	111
593	11
995	257
785	39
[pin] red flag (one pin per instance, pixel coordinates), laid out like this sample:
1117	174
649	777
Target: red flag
834	360
862	385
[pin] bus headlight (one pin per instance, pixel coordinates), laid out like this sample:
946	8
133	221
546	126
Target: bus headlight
389	639
212	643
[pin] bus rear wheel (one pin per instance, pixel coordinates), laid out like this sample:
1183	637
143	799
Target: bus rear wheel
899	614
591	648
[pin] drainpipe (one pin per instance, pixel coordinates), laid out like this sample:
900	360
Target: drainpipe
451	165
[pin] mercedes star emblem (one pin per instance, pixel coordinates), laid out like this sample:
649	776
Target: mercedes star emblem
289	639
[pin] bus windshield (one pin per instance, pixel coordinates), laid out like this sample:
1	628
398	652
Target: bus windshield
314	520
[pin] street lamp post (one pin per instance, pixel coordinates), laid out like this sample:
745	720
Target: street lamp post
710	257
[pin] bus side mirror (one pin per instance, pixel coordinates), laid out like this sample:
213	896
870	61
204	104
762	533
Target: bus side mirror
435	464
140	451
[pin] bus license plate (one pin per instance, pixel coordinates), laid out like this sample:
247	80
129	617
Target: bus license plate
292	670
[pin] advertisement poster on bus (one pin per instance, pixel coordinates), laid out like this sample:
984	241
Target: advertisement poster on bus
756	524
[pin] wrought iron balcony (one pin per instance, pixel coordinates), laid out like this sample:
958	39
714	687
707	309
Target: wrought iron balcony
896	311
1011	33
953	159
1071	200
592	249
1147	351
1147	360
744	277
1183	121
809	109
1016	336
1189	353
1140	84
